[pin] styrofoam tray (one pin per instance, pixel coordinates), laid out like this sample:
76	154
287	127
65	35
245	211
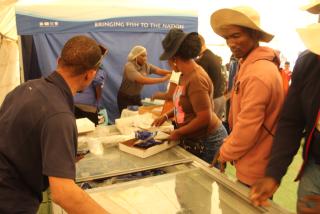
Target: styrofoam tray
128	147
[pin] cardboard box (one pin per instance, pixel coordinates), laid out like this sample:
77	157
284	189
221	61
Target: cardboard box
154	110
128	146
84	125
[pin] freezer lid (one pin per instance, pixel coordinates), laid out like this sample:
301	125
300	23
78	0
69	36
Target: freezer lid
115	162
189	191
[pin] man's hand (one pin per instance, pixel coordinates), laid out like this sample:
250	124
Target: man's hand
262	190
67	194
218	162
303	207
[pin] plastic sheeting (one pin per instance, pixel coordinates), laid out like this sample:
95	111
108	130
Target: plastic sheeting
9	67
9	51
8	19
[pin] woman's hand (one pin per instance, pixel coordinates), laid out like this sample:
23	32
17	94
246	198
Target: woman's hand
156	95
167	77
175	135
159	121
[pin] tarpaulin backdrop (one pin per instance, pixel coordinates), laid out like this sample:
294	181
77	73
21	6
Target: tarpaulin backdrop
119	29
9	55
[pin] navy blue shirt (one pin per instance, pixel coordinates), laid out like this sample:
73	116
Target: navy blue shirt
38	139
88	96
298	116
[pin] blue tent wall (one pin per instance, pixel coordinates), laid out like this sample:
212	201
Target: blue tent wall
119	35
119	43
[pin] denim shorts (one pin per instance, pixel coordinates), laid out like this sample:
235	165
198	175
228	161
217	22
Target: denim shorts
205	147
309	183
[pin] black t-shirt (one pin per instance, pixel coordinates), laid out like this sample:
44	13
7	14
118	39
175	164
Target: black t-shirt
210	63
38	139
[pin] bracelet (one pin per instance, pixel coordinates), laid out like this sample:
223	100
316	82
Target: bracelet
167	118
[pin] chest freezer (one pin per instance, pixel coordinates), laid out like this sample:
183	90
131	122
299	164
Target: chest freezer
188	191
189	185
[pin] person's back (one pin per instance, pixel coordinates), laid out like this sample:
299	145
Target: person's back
212	65
22	127
87	102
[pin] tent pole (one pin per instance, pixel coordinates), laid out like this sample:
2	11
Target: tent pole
21	61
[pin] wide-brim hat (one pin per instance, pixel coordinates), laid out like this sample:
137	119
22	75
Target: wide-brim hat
310	37
241	16
172	42
312	7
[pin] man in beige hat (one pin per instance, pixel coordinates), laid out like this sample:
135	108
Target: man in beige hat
300	118
257	94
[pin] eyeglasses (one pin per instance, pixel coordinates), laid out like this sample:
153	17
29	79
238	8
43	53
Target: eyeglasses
104	52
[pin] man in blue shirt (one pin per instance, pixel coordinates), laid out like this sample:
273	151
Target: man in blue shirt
38	138
87	102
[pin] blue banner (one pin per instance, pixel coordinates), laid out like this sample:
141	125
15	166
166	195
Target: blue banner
118	34
29	25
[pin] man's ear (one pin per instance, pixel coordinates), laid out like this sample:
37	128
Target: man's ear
90	74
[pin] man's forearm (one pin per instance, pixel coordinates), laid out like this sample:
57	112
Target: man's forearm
72	198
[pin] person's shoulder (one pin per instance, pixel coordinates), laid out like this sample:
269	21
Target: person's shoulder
199	76
210	54
130	66
306	66
306	53
306	57
57	102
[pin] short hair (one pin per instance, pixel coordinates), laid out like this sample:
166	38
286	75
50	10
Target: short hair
81	53
190	47
287	63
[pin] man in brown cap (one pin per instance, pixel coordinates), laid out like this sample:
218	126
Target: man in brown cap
38	140
257	94
300	118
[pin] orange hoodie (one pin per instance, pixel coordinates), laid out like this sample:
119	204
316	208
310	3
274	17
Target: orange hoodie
256	100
